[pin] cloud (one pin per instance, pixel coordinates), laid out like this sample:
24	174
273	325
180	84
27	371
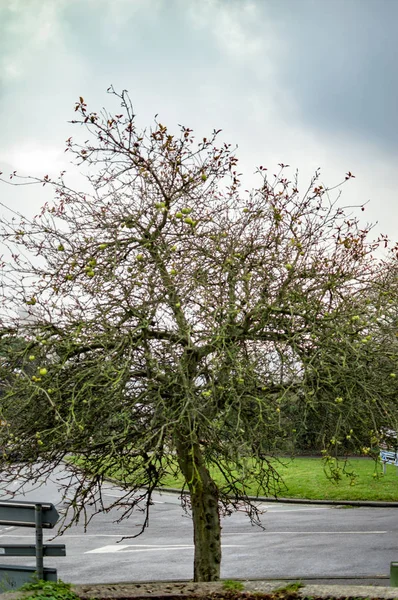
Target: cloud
232	26
27	28
340	65
35	158
309	83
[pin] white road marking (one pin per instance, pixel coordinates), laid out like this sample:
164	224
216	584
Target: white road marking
146	548
79	535
287	508
264	532
5	529
117	496
269	508
119	547
284	507
267	532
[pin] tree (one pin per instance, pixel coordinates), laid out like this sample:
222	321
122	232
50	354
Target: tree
178	322
360	362
13	354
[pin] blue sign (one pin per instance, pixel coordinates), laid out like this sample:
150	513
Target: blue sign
391	458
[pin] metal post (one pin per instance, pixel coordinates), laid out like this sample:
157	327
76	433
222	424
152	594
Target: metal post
394	574
39	541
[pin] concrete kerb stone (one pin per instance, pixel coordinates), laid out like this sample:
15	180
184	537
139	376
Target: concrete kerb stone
325	590
205	590
186	590
376	504
364	503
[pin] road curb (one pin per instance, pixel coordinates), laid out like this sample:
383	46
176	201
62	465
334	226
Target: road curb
195	591
359	503
188	590
377	504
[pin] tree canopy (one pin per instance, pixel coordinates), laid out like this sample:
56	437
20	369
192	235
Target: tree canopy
178	322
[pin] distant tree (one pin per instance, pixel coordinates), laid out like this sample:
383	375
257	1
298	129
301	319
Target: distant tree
183	324
13	357
359	362
17	360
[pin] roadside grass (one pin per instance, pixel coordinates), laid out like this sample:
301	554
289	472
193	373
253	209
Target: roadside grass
294	586
231	584
358	479
48	590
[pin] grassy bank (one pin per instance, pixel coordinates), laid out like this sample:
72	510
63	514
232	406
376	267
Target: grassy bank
359	479
305	478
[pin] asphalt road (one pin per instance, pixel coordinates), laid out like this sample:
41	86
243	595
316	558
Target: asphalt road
299	541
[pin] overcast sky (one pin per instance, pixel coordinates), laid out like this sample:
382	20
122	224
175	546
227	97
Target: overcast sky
311	83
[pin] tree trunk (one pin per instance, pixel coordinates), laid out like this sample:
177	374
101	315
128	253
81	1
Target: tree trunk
205	512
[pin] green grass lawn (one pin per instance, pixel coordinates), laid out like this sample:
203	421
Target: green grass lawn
305	478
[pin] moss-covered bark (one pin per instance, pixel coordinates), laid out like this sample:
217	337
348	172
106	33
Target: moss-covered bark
205	513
